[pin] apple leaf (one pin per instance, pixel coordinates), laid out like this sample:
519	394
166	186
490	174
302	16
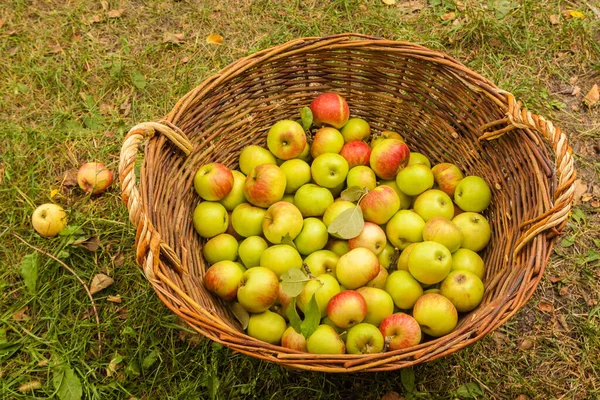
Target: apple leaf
306	118
470	390
66	383
293	316
29	272
312	317
293	281
240	314
407	376
287	239
349	224
353	193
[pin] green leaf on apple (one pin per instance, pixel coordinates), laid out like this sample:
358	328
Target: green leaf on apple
353	193
293	281
349	224
293	317
306	118
240	314
287	239
312	317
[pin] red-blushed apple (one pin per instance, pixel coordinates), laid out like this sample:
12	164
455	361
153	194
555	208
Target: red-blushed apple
49	219
356	129
418	158
236	196
464	289
282	302
475	229
372	237
312	200
280	259
297	173
364	339
94	177
468	260
326	140
356	153
335	209
250	250
325	340
286	139
361	176
404	228
415	179
433	203
324	287
380	204
293	340
357	267
223	279
446	176
282	219
379	304
388	158
473	194
252	156
313	236
210	219
258	289
347	308
247	220
457	210
266	326
429	262
380	280
405	200
213	181
329	170
330	109
322	262
338	246
436	315
404	289
376	139
400	331
219	248
265	185
443	231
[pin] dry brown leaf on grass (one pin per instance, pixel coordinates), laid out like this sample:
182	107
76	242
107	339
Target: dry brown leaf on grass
100	282
30	386
580	188
545	307
448	16
392	396
592	97
91	243
54	49
1	23
95	19
526	345
214	39
555	19
389	2
69	178
174	38
114	299
21	314
412	6
115	13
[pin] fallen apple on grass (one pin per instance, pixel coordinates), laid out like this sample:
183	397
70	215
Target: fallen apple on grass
94	177
49	219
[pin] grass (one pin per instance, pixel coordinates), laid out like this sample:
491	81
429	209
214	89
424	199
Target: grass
74	80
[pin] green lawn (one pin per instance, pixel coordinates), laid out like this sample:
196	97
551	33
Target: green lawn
76	75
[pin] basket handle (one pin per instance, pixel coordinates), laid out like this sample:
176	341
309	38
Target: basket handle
518	117
147	237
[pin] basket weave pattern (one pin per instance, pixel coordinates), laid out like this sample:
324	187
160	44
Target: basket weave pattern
443	110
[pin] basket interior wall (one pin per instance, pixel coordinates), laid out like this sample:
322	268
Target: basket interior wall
437	109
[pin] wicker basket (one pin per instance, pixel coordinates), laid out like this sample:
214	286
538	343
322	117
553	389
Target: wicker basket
443	109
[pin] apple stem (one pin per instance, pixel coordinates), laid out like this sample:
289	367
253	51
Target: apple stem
307	270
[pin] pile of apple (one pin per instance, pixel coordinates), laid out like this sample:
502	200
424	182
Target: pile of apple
341	241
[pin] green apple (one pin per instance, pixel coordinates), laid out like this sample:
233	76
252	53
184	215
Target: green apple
335	209
326	140
361	176
336	191
258	289
443	231
434	203
356	153
472	194
286	139
429	262
329	170
447	176
468	260
322	262
266	326
247	220
388	158
323	287
402	264
371	237
347	308
288	198
364	339
297	173
305	155
280	258
404	228
252	156
388	256
293	340
338	246
379	304
379	280
312	200
325	340
405	200
250	250
418	158
223	279
356	129
415	179
475	229
219	248
236	196
210	219
357	267
213	181
49	219
265	185
403	288
400	331
464	289
282	219
436	315
312	237
380	204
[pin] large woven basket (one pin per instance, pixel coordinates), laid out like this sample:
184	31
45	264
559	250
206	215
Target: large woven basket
442	108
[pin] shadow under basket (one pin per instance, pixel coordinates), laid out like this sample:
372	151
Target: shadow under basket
441	108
